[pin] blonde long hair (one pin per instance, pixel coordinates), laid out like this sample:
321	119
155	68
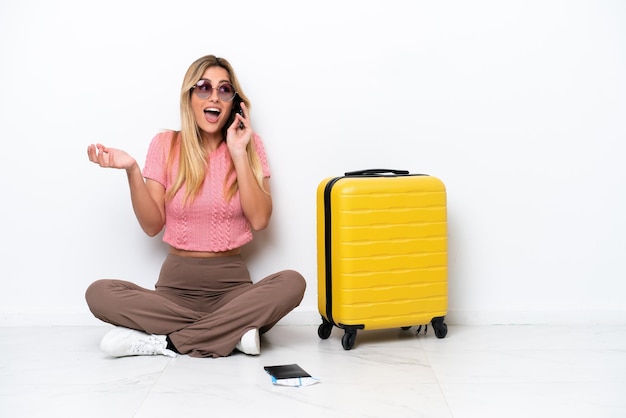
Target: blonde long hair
193	161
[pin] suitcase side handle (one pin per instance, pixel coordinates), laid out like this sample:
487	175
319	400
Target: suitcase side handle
375	171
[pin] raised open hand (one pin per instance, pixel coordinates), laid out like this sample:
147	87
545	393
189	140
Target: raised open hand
109	157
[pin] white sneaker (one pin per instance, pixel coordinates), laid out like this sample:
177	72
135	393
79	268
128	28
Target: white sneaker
121	342
250	343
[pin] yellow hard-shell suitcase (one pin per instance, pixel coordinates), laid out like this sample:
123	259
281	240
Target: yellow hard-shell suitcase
381	252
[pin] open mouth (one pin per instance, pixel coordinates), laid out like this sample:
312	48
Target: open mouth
212	114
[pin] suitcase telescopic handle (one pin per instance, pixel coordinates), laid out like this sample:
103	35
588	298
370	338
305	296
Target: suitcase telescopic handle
374	171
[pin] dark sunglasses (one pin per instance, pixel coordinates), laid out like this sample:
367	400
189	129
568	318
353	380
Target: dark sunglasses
203	89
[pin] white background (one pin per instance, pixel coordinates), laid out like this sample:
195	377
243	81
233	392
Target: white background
518	106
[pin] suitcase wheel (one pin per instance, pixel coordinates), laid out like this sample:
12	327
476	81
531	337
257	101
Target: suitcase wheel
440	327
349	338
324	330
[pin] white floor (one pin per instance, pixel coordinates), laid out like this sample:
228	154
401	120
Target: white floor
490	371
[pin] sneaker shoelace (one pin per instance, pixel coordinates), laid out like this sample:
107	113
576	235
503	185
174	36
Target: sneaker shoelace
150	346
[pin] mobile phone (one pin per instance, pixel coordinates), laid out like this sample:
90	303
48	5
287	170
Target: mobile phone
236	109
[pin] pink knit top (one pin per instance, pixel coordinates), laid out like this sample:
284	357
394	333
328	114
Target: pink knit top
209	222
